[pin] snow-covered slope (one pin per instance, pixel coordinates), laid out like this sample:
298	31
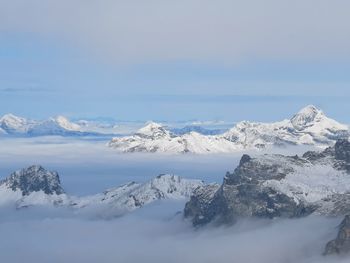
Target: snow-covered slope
274	185
32	186
54	126
18	126
133	195
35	185
12	124
310	126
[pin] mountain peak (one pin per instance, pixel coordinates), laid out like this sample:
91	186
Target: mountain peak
306	116
153	129
10	116
66	124
34	178
12	123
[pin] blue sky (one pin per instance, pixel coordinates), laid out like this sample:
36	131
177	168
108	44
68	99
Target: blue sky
159	60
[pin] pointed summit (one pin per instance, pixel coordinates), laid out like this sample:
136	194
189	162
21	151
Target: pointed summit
306	117
154	130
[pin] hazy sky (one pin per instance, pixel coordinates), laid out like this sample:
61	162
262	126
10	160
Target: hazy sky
174	60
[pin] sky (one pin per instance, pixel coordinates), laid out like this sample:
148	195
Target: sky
174	60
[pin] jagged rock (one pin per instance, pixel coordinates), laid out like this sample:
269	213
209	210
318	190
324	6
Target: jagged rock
34	179
341	244
342	150
271	186
200	200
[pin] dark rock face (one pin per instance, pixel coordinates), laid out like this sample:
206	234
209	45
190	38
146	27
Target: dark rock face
246	193
341	244
34	179
342	154
342	150
243	194
201	201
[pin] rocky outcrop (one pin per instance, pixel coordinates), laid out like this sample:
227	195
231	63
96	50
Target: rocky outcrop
340	245
201	200
34	179
272	186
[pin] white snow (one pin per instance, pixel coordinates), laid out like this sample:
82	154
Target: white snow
10	197
113	202
311	184
10	123
133	195
66	124
308	127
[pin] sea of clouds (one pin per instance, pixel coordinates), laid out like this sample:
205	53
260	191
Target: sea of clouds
155	233
158	233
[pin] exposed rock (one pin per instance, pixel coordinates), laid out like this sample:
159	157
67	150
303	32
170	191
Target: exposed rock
34	179
272	186
200	201
341	244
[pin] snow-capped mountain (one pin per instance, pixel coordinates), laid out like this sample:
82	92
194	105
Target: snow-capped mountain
37	186
156	138
310	126
32	186
134	195
18	126
271	185
12	124
54	126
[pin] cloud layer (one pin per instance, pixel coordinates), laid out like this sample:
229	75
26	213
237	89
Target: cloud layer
154	235
156	30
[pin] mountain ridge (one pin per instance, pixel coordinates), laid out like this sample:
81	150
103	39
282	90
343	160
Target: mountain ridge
35	185
310	126
275	185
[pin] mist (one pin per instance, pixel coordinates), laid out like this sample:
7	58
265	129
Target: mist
156	233
88	166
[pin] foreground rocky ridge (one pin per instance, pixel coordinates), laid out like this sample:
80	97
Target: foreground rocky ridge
341	244
272	186
310	126
37	186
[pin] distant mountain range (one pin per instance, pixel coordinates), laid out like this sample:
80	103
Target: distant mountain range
36	186
310	126
12	125
15	126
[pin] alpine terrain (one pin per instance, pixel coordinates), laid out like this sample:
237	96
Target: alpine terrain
310	126
35	185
